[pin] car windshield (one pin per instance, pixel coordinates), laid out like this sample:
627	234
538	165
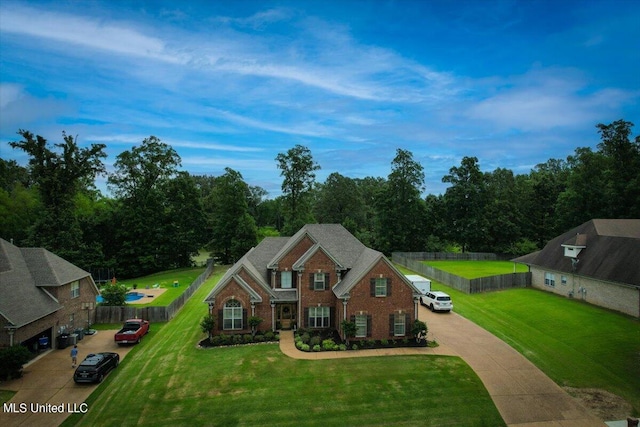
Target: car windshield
444	298
91	361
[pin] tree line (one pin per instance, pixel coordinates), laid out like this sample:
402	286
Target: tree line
159	216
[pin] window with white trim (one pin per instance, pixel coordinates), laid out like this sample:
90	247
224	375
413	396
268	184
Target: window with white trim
550	279
75	289
318	317
381	287
399	324
361	325
285	279
318	281
563	280
232	315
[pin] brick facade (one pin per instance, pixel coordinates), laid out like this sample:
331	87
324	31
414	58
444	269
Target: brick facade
305	295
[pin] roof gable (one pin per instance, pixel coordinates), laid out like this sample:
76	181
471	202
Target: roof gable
335	240
299	264
369	259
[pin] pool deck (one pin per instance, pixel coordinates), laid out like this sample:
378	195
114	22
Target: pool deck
153	292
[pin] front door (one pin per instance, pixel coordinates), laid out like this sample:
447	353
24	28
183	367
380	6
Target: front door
286	315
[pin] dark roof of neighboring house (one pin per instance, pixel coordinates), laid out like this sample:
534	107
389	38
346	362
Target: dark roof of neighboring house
335	240
25	273
610	251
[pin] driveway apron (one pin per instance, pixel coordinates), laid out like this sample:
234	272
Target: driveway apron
47	384
523	394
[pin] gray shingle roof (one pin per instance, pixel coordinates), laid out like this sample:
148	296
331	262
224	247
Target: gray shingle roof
335	240
24	273
612	251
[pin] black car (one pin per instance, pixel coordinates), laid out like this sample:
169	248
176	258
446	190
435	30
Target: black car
95	366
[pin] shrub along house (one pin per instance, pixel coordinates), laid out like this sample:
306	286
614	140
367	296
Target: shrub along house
41	296
597	262
315	279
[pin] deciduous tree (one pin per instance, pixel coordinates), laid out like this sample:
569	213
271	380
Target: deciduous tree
297	168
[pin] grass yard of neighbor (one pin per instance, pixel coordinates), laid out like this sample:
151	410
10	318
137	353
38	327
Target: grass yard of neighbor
476	269
167	380
165	279
576	344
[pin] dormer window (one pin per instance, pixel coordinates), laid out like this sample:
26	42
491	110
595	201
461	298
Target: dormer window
575	245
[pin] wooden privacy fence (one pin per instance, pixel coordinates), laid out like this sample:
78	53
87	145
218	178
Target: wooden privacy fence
451	256
118	314
413	261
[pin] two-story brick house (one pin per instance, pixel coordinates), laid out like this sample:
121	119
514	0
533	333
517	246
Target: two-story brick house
316	278
41	295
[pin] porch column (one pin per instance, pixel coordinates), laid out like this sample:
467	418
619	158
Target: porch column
273	315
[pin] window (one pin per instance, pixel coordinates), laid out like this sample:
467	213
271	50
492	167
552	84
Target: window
72	318
563	280
381	287
285	280
232	315
361	326
318	317
549	280
399	325
318	282
75	289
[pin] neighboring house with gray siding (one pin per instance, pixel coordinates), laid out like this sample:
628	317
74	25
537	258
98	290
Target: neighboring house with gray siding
597	262
41	295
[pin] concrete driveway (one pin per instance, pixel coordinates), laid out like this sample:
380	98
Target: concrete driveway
523	394
47	385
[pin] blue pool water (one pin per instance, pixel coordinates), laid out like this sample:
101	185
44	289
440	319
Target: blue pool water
131	296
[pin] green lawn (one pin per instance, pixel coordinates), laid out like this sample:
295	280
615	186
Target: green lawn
165	279
574	343
168	381
475	269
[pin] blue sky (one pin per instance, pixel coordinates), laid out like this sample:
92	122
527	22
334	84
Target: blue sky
234	83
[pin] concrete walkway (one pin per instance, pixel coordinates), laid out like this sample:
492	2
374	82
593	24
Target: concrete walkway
524	395
48	382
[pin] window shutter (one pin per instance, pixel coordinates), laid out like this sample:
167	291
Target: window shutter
327	278
306	317
220	320
244	318
332	315
278	283
369	325
389	286
373	287
407	324
311	286
391	324
353	318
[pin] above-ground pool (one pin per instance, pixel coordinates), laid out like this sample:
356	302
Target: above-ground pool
131	296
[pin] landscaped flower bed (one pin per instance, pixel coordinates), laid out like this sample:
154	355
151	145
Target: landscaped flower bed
311	340
237	339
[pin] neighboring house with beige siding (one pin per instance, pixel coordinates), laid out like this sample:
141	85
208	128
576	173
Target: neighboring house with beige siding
315	279
597	262
41	295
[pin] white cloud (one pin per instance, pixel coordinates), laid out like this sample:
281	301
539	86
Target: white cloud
9	93
83	31
547	99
